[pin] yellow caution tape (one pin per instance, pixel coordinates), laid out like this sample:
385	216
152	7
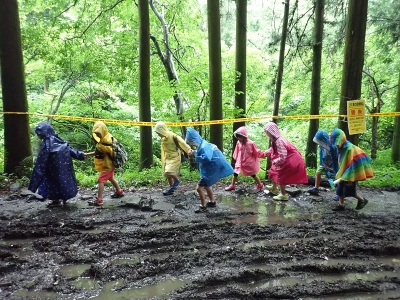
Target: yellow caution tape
197	123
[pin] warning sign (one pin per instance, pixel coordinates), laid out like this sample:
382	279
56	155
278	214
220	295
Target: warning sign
356	116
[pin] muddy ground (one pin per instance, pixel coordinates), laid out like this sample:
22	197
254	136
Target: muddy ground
248	247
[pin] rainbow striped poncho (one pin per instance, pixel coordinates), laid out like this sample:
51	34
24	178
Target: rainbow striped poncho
354	164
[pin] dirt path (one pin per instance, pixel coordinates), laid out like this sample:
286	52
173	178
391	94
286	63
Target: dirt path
249	247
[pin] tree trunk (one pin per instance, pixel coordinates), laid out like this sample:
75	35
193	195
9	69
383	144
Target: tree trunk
241	47
312	147
281	61
279	76
167	59
17	146
353	60
215	72
374	137
396	129
146	141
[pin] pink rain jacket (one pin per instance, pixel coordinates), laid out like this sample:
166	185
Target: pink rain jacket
246	155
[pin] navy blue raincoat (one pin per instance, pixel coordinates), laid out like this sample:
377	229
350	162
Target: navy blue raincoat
53	174
213	164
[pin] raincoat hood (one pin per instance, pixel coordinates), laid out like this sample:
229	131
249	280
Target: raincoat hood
241	131
44	129
162	129
51	140
338	138
322	139
101	128
193	137
272	129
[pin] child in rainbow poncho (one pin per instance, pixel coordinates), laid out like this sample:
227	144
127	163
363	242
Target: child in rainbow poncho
354	165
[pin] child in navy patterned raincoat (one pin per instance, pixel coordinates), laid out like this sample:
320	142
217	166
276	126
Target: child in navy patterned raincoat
213	166
53	175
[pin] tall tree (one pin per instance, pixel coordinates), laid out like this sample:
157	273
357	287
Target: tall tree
396	129
17	144
215	71
311	150
353	59
146	149
240	60
167	58
281	60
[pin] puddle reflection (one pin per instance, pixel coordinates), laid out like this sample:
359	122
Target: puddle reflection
23	294
265	212
370	276
160	289
69	271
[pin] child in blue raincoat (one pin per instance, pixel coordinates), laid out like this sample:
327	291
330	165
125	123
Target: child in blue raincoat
53	175
328	159
212	164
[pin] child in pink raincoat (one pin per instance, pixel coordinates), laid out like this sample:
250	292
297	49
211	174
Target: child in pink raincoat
287	163
247	156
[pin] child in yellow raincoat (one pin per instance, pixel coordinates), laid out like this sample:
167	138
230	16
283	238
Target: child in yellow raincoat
171	156
103	161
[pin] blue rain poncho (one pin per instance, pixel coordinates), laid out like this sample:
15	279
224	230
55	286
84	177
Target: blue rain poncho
328	157
53	175
212	163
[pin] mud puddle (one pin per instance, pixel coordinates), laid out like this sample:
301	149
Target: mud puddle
248	247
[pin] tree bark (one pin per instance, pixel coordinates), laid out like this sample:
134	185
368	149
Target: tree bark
353	60
278	86
146	141
312	147
215	72
17	146
241	47
396	129
167	59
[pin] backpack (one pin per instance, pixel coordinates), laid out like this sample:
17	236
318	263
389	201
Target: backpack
120	156
184	156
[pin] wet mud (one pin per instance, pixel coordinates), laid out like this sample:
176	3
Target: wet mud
149	246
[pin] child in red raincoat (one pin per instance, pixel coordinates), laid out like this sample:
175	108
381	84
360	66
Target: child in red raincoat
287	163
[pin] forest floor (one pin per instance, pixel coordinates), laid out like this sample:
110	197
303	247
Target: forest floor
149	246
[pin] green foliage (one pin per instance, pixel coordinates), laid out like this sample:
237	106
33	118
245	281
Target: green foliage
93	47
386	173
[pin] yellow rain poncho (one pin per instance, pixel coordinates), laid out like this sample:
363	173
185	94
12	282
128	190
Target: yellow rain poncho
170	154
102	159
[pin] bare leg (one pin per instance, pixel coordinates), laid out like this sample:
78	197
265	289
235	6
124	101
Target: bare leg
210	193
115	184
258	181
100	190
202	195
234	180
317	179
359	198
172	179
282	187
